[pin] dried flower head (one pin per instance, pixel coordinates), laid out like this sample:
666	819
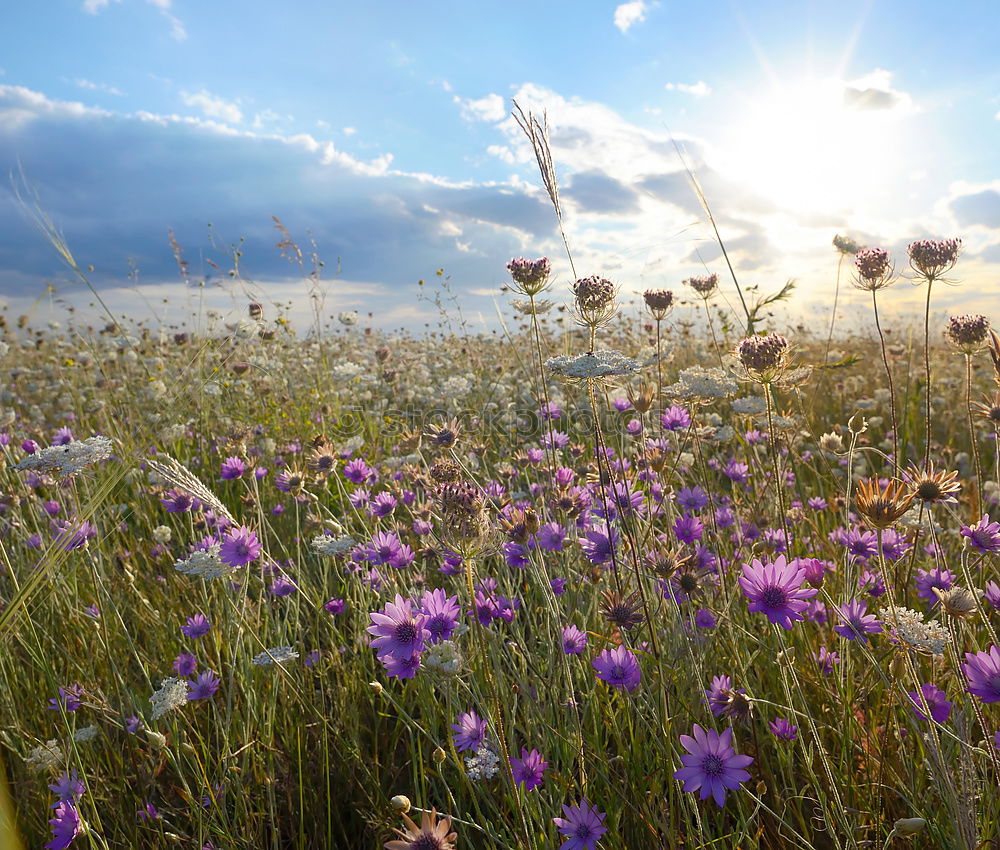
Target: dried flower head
432	834
931	258
530	276
989	409
705	285
880	504
595	301
446	470
845	245
621	611
957	601
444	436
659	302
763	356
874	269
930	486
968	333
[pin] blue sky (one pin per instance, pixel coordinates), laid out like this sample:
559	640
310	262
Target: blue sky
382	131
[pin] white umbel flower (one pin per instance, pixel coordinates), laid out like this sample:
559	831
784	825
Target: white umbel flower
205	563
324	544
911	630
69	459
172	694
596	364
485	764
45	757
275	655
699	382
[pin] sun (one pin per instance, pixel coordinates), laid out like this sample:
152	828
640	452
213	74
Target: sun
808	145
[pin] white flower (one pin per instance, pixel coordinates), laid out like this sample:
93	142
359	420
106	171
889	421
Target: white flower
598	364
205	563
831	442
69	459
699	382
909	626
483	765
162	534
45	757
275	655
348	317
86	734
750	405
324	544
443	658
172	694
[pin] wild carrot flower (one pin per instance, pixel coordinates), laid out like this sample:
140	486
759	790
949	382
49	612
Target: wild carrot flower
711	765
619	668
762	356
931	258
530	276
776	590
659	302
583	825
529	769
874	269
969	333
982	669
171	694
704	285
274	655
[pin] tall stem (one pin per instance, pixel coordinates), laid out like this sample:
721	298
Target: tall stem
892	390
774	461
927	372
972	430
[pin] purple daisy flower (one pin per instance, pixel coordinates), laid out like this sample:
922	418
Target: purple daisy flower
675	418
239	547
583	825
691	498
783	729
619	668
442	614
232	467
573	640
397	630
712	765
68	787
334	606
177	503
529	769
991	593
726	701
704	619
984	536
936	700
935	577
282	586
65	826
196	626
597	546
470	731
826	660
857	624
982	669
185	664
776	590
204	686
68	699
688	528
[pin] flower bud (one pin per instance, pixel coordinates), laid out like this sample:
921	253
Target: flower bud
400	803
909	826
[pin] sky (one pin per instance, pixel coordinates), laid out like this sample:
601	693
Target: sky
380	134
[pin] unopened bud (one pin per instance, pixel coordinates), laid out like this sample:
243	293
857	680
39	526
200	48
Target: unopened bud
909	826
376	687
439	755
400	803
155	738
761	788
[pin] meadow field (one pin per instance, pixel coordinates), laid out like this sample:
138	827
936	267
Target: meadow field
670	577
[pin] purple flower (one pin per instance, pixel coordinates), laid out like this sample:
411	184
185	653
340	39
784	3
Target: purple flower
558	586
232	467
691	498
239	547
783	729
382	505
704	619
65	826
470	731
357	472
583	825
185	664
982	669
688	528
204	686
857	624
196	626
147	813
573	640
68	787
68	699
529	769
397	630
776	590
992	594
936	700
386	548
725	701
70	535
597	546
282	586
984	536
619	668
675	419
177	503
550	537
935	577
133	724
826	659
334	606
442	613
713	767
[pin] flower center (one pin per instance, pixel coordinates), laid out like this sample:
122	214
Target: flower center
774	597
406	633
712	765
618	672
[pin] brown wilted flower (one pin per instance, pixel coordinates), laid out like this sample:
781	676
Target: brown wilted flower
621	611
444	436
957	601
874	269
968	333
643	400
931	258
446	470
930	486
322	460
989	409
520	524
432	834
659	302
882	506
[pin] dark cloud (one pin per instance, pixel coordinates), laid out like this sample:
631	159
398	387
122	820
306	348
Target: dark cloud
595	191
675	187
750	251
114	184
978	208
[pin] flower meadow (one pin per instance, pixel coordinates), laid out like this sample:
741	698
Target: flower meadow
594	581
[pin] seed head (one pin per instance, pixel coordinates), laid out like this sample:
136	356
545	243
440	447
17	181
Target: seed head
874	268
882	506
762	355
659	302
931	258
530	276
969	333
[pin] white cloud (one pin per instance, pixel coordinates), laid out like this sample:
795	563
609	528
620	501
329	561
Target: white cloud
94	6
629	14
213	106
349	131
489	108
92	86
177	30
875	91
698	89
